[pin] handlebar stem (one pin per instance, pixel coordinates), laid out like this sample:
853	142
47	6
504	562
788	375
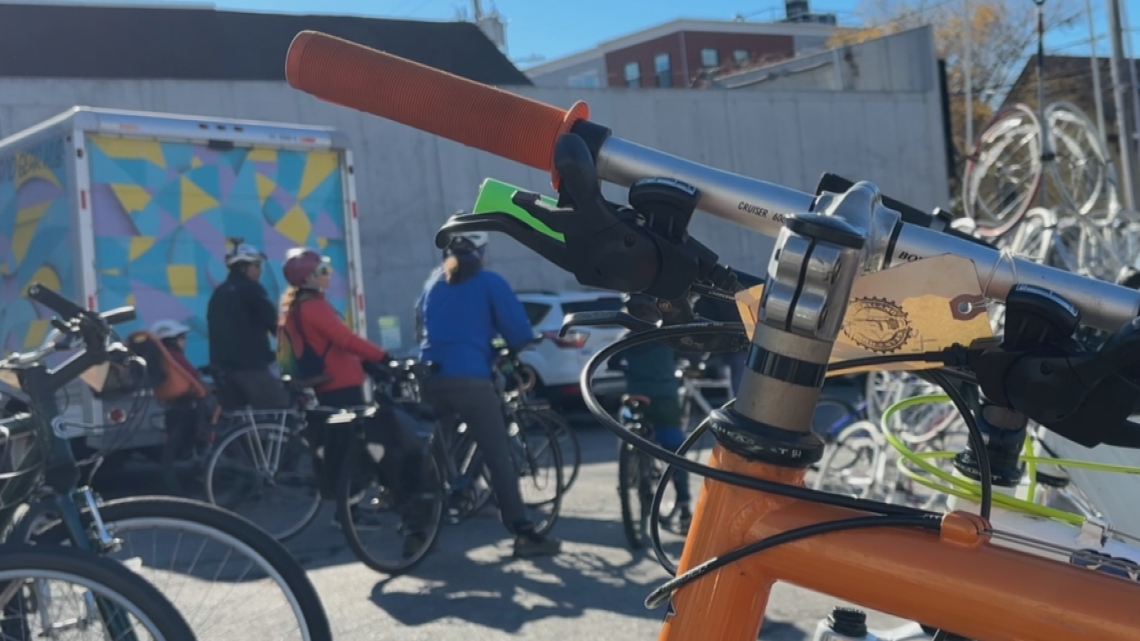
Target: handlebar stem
810	277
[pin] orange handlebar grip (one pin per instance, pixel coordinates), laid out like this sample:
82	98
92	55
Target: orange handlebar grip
440	103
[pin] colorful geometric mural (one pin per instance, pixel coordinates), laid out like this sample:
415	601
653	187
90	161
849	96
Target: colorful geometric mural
163	210
37	239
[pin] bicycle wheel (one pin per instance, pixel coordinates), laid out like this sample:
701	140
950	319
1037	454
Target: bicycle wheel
364	498
265	473
1004	171
271	586
638	475
538	459
138	610
852	464
568	444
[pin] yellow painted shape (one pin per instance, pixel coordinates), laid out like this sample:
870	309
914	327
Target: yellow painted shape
194	200
37	330
322	242
29	167
132	197
195	162
110	271
318	166
131	300
262	154
295	225
27	221
183	280
130	148
45	276
139	246
265	186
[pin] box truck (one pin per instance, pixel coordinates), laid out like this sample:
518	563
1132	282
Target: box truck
114	208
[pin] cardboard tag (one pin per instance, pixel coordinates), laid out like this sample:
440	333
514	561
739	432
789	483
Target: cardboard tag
923	306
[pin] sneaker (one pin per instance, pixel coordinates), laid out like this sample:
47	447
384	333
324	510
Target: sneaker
531	545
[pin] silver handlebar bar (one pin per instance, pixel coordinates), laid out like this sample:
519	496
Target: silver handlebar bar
761	207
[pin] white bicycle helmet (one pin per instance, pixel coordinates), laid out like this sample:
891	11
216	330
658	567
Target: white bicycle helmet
244	253
168	328
475	241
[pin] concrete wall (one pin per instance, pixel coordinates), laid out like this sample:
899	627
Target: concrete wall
902	62
409	182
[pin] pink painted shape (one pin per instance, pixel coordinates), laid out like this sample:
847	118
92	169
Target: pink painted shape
207	235
154	304
325	227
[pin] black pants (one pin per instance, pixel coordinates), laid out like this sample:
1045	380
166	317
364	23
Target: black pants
476	402
182	418
401	464
258	388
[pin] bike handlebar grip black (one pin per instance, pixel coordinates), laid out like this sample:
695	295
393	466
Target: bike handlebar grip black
53	301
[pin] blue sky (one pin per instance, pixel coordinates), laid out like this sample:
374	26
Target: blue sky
551	29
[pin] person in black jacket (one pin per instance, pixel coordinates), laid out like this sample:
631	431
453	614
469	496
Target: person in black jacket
241	318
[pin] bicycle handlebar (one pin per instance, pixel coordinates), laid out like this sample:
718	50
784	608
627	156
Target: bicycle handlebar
91	327
528	132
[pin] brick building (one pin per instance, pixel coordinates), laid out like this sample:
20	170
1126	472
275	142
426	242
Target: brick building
681	52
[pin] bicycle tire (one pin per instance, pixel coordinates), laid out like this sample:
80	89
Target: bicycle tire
634	524
90	570
568	445
555	503
281	534
313	619
352	536
1000	227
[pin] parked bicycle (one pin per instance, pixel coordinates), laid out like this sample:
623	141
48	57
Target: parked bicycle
62	511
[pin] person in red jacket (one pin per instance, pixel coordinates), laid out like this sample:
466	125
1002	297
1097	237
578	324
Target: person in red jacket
309	322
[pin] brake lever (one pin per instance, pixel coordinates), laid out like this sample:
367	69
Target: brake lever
602	319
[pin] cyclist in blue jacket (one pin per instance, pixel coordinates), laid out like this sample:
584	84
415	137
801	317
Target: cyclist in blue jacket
462	309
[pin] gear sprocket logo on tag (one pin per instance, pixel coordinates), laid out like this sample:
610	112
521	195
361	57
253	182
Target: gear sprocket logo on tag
877	325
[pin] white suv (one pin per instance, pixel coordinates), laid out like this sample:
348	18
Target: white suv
559	360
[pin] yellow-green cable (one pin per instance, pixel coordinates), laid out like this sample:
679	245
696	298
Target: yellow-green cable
970	490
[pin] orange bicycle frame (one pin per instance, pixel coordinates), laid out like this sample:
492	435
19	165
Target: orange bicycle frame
956	581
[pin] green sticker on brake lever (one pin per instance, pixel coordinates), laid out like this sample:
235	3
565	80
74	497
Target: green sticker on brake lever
495	197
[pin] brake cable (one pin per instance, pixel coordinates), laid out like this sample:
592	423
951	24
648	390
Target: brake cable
896	517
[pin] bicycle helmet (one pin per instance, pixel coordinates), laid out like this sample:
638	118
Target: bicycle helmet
168	328
300	264
470	242
244	253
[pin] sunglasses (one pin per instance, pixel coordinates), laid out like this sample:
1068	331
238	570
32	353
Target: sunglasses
323	270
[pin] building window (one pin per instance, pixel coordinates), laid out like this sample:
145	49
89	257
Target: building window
588	79
632	74
740	56
663	70
710	58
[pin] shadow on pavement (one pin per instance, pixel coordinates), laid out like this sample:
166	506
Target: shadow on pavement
472	576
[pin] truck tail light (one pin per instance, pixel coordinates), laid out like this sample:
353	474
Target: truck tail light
572	340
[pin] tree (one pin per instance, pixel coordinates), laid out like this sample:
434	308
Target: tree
1003	33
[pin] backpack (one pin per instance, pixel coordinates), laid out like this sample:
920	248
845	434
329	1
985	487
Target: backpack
299	362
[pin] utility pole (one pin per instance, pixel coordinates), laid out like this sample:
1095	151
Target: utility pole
1124	125
478	10
1098	95
968	54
